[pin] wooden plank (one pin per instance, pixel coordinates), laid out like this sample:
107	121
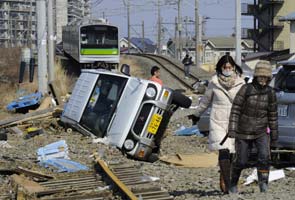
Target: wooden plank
33	173
27	117
29	186
116	180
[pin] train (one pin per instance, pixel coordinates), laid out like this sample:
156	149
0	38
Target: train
92	45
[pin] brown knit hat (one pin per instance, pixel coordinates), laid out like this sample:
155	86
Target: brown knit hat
263	68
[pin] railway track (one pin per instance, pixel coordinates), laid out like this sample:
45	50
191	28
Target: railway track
174	69
108	181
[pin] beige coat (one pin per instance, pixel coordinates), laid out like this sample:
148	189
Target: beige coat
221	100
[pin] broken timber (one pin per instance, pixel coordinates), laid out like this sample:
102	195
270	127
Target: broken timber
30	116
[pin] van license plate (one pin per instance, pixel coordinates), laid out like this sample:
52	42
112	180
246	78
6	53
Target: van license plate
283	110
154	124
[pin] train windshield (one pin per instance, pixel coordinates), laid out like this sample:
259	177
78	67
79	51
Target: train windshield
99	36
102	104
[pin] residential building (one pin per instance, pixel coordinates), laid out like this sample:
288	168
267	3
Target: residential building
216	47
18	21
268	33
213	48
137	45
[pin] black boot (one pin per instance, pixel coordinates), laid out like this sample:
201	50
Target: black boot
224	175
234	179
263	180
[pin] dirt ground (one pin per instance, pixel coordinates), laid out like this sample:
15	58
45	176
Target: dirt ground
181	182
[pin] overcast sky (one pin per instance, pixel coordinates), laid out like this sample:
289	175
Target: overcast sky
220	14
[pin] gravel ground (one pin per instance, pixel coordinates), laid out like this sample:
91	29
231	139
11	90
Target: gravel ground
183	183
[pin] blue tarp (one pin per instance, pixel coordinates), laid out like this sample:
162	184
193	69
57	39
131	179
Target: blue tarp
54	150
25	101
193	130
64	165
56	155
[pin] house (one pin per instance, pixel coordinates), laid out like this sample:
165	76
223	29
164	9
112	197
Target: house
273	57
137	45
216	47
213	48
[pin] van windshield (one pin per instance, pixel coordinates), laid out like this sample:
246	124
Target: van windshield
102	104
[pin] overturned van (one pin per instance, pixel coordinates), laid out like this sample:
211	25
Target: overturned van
132	113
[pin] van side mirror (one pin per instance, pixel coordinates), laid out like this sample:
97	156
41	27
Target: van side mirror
125	69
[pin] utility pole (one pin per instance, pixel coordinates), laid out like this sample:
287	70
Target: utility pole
30	26
200	45
51	46
128	24
179	27
142	40
238	32
176	40
197	33
42	46
186	34
159	28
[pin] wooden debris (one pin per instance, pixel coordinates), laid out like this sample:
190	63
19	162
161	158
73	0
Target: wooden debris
29	186
15	130
34	174
51	112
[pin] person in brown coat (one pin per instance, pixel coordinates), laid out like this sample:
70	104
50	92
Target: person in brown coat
254	110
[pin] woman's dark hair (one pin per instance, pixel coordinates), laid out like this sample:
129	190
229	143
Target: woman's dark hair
154	69
227	59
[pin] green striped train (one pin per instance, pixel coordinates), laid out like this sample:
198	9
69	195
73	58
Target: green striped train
92	45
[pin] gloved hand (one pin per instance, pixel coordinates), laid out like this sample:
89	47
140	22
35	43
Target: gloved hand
194	119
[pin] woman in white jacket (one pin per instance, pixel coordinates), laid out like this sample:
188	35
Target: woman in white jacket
220	94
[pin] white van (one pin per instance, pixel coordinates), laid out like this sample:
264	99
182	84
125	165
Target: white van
132	113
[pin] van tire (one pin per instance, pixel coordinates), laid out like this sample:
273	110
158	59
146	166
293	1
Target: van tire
181	100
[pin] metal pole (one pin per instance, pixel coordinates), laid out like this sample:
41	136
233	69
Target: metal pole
128	24
51	45
179	31
200	46
143	44
176	40
238	32
186	34
159	28
197	33
42	46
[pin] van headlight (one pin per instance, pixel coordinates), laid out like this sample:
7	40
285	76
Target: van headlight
129	144
150	92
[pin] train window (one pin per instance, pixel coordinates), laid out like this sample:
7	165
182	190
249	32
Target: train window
101	37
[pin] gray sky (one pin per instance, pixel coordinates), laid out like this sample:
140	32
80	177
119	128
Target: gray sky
221	14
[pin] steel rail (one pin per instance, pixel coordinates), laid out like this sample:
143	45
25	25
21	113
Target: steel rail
166	64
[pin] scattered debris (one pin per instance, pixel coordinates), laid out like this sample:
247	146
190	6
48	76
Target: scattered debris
273	175
33	131
103	140
28	185
54	150
36	115
16	130
183	131
192	160
24	103
4	144
64	165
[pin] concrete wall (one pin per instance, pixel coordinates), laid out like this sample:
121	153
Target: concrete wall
287	8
